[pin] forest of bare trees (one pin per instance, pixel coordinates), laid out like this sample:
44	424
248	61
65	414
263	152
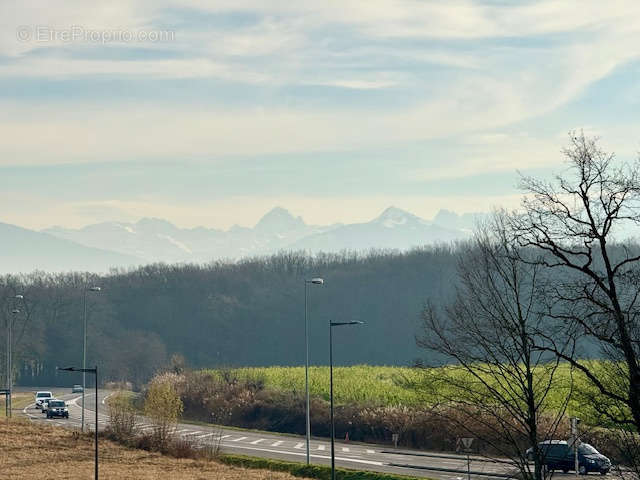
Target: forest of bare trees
246	313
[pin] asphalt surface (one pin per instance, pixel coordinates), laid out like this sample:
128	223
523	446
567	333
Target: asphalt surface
292	448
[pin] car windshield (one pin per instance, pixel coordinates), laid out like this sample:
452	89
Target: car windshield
56	404
44	395
587	449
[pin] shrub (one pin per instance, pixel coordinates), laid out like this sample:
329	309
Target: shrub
163	406
122	417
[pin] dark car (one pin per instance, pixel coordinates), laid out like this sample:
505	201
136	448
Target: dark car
559	456
57	408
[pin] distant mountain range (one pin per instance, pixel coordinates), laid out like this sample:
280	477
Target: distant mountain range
27	250
100	246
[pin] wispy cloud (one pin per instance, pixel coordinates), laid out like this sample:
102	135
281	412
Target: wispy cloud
240	79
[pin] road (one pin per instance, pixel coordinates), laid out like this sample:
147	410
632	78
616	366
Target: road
292	448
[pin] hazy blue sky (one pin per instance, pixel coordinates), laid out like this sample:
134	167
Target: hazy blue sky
213	114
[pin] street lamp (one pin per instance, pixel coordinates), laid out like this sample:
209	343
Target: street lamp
84	347
95	372
313	281
14	312
333	428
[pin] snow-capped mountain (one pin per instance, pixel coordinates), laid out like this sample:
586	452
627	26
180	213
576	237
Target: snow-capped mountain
155	239
465	222
394	228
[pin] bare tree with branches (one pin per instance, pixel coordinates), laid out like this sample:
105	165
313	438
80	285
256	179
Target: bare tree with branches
500	388
576	223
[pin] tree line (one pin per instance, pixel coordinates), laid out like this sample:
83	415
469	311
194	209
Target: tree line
222	314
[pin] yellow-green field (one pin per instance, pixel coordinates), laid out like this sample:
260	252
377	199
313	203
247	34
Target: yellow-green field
357	384
383	385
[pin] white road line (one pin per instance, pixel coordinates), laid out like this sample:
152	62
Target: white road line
320	447
299	445
182	430
255	442
371	451
204	435
326	457
238	439
345	449
224	436
275	444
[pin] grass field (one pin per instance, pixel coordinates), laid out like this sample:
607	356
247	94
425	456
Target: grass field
39	451
383	385
357	384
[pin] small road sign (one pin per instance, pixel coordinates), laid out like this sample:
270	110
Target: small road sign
464	444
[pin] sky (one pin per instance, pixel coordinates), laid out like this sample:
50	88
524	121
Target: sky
212	113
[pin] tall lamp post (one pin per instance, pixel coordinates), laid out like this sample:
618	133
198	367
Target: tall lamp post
313	281
84	347
93	370
333	428
14	312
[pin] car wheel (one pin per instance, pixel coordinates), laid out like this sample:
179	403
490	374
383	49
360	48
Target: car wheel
582	470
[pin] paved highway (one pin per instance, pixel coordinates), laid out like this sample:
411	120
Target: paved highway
292	447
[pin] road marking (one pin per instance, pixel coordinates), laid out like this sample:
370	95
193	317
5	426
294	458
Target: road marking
371	451
275	444
326	457
182	430
345	449
320	447
238	439
255	442
299	445
205	435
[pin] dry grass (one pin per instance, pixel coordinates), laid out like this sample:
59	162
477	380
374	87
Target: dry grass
31	451
19	400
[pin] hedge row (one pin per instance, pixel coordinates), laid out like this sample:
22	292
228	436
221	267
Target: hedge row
319	472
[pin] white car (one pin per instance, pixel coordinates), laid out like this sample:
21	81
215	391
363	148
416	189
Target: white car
41	397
